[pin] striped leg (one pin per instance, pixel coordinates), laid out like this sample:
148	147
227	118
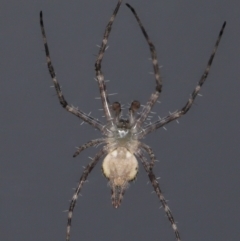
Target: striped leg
99	74
97	124
83	178
177	114
89	144
155	95
159	193
148	149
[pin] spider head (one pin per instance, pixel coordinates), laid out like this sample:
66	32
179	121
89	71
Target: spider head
120	166
121	123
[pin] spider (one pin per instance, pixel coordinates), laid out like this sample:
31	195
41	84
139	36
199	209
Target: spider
122	145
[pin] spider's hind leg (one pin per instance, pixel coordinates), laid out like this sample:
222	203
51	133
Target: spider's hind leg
159	193
83	178
149	151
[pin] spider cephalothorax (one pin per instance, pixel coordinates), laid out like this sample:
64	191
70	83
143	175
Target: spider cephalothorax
122	145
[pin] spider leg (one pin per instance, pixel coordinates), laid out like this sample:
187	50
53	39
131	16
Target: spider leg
177	114
149	150
89	144
153	98
159	193
97	124
99	74
83	178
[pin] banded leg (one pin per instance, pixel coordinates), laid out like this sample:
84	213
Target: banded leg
149	150
89	144
177	114
83	178
159	193
97	124
99	74
155	95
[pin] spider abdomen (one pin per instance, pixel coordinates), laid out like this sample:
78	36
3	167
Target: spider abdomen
120	166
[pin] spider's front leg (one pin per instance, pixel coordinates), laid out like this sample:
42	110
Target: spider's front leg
85	117
154	96
99	74
177	114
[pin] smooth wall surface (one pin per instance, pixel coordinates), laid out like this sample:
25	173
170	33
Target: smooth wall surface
198	158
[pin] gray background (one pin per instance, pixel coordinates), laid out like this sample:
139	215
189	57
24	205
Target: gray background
199	157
